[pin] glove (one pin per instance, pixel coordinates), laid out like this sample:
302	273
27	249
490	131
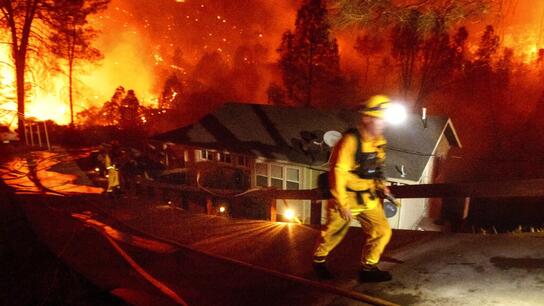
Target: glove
345	213
385	193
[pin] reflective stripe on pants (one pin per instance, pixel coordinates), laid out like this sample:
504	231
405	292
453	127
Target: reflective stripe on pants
376	231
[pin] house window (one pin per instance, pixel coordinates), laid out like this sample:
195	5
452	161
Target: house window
292	178
207	155
242	161
261	172
278	176
224	157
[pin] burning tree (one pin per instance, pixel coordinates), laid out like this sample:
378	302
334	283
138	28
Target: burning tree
130	112
368	46
26	20
407	42
111	113
71	37
309	59
420	40
108	114
172	93
245	73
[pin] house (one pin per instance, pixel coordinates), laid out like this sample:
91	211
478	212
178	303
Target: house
242	146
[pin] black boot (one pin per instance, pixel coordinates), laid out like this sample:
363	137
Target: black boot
371	274
321	271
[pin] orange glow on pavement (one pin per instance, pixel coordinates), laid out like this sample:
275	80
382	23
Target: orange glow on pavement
134	240
19	175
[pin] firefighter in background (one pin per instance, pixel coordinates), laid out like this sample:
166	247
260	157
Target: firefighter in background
356	182
113	175
112	171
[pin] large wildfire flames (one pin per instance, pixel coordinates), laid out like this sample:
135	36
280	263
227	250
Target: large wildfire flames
47	97
139	40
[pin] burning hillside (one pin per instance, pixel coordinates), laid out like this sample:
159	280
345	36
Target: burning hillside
222	49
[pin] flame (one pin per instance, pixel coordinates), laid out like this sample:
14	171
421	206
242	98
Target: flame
47	95
139	39
7	88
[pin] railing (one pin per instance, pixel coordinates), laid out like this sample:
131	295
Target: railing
522	188
30	133
519	188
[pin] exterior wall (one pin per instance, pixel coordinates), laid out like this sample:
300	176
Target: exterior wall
436	204
195	161
308	180
443	147
190	161
415	214
307	183
281	174
313	183
410	216
413	211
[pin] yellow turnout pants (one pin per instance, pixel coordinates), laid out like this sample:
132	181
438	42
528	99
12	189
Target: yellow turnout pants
376	231
113	179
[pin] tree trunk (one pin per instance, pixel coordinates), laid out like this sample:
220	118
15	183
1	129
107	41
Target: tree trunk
20	63
19	48
70	88
310	73
71	58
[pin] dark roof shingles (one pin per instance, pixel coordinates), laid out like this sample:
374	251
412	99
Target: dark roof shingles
276	132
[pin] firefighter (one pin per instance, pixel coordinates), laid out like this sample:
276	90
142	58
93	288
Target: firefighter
356	180
112	172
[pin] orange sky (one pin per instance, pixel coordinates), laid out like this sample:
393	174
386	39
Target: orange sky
139	37
149	32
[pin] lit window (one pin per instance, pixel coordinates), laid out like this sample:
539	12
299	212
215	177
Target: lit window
261	169
261	174
292	181
224	157
292	174
276	171
206	155
277	176
221	157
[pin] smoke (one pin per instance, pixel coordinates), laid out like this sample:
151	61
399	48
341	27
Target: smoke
127	58
146	41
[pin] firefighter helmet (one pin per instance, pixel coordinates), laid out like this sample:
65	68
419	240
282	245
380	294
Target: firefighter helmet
375	106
